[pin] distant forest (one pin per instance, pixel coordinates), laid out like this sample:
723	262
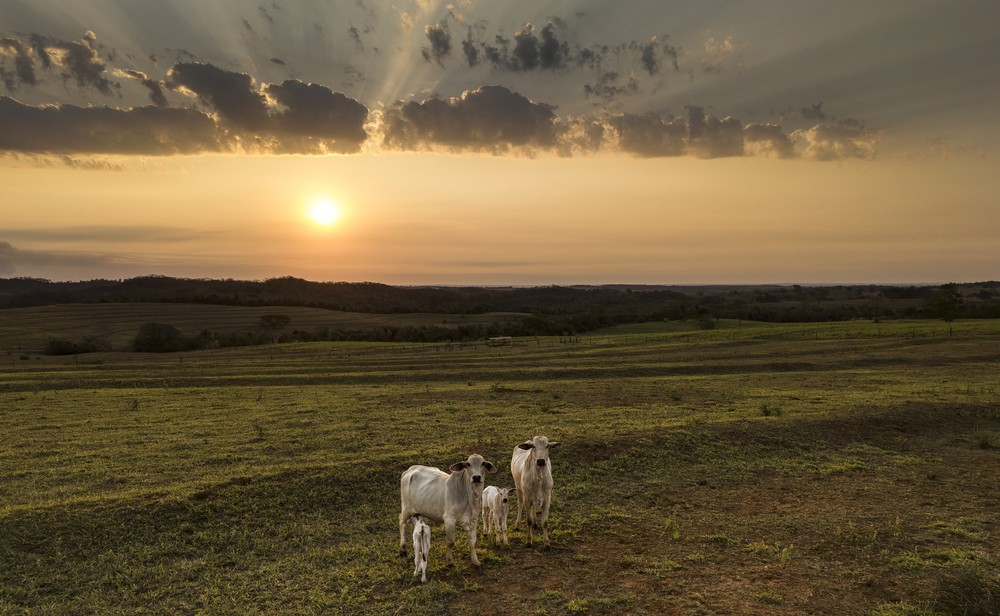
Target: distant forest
557	310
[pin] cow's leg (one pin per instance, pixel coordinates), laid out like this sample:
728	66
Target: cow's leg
529	522
449	531
544	520
520	505
472	545
503	525
404	515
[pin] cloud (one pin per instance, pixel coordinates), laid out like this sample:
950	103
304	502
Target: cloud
719	53
108	234
491	118
289	117
814	112
766	140
701	135
24	67
80	60
469	50
710	137
155	87
315	111
530	52
649	135
68	129
12	258
90	164
822	142
440	40
231	94
607	87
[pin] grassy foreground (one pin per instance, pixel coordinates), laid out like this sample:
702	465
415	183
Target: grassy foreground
847	468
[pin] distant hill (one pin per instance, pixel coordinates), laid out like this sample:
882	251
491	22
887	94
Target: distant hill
506	311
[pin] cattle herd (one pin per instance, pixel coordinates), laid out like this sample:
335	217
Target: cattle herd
459	498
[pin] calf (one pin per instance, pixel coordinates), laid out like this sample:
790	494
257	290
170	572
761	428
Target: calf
532	471
452	498
495	512
421	545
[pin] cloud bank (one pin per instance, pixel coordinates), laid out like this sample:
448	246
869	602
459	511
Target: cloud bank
199	107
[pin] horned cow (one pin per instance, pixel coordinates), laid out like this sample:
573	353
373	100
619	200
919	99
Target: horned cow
532	471
453	498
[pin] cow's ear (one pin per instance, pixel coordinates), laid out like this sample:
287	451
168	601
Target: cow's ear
553	444
526	446
459	466
489	466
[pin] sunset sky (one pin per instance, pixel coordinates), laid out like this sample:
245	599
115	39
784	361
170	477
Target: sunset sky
501	142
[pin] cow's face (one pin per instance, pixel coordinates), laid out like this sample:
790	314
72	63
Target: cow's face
541	446
503	494
475	468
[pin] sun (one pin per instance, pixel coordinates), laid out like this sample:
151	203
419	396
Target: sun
324	212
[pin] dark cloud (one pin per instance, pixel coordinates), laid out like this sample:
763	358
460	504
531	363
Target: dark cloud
440	40
277	61
68	129
710	137
531	52
355	35
699	134
80	60
814	112
650	135
312	110
24	68
312	119
607	88
469	50
648	58
491	119
525	56
232	94
155	87
552	53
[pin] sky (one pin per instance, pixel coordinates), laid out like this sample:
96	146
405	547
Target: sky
514	142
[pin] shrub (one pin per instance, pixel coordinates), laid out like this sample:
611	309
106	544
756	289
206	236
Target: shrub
159	338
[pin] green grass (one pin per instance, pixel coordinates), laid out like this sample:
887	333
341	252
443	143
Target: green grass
265	479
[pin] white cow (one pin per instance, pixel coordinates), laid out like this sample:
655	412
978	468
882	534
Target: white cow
454	499
495	512
421	545
532	471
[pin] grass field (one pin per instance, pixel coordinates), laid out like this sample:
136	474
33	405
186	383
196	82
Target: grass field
28	329
842	468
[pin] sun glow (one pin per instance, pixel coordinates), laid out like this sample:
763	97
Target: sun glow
324	212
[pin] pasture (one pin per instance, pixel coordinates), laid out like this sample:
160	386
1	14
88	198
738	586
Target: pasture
847	468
